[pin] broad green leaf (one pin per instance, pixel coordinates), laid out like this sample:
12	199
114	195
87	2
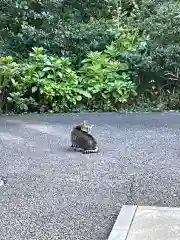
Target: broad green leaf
41	90
50	76
104	95
24	107
13	82
120	91
34	89
79	98
84	93
46	69
60	74
9	99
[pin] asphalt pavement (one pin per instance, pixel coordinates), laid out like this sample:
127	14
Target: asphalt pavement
52	192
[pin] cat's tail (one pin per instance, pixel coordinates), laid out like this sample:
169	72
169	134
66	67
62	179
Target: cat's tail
95	150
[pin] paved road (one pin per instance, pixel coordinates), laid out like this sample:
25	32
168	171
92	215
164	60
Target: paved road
55	193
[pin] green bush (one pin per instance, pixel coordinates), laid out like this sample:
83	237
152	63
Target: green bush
127	47
160	20
9	72
109	90
158	24
64	28
48	83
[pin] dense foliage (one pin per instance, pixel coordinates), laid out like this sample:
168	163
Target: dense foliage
64	55
49	83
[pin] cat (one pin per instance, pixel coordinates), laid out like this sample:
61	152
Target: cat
82	140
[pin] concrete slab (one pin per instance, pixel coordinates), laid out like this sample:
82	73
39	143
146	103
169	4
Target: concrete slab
147	223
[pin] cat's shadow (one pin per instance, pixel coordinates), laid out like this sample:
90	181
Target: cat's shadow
70	149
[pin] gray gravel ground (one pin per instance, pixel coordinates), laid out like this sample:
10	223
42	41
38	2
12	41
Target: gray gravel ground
55	193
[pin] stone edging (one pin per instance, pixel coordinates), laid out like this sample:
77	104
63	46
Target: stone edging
123	223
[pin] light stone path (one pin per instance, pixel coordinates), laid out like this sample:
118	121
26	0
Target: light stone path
146	223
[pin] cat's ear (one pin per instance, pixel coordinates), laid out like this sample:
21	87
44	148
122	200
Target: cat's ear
92	126
84	122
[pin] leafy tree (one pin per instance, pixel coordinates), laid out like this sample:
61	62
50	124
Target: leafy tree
66	28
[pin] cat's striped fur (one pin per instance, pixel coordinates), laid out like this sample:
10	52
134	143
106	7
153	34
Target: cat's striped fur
82	140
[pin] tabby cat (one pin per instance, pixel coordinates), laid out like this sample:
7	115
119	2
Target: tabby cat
82	140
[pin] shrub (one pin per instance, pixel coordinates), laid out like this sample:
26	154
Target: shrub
49	81
109	89
65	28
9	73
158	23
